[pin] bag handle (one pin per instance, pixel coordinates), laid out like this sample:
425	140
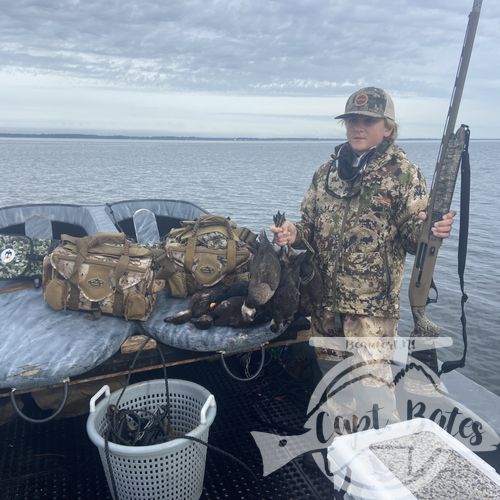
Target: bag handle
211	220
191	244
93	241
83	245
242	233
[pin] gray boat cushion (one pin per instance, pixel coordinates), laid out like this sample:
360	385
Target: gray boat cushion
37	226
187	336
40	347
177	209
145	226
92	218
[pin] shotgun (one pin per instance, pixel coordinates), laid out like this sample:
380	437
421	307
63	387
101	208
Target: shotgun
442	189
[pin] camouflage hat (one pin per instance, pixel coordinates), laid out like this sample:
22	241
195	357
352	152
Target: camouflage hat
369	101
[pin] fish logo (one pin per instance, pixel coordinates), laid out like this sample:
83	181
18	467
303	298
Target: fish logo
350	400
95	282
206	269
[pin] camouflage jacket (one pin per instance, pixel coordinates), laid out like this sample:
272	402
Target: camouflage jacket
363	230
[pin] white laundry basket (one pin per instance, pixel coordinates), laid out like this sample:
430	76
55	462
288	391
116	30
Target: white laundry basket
170	470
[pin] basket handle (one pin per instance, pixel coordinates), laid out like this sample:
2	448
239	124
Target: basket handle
97	395
209	403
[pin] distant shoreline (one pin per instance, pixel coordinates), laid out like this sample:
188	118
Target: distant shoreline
193	138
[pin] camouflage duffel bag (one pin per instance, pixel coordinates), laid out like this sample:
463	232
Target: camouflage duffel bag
22	256
102	274
207	251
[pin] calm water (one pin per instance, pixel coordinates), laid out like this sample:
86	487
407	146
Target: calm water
250	181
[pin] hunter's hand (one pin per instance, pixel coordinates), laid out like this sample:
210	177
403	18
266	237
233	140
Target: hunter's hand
441	228
285	234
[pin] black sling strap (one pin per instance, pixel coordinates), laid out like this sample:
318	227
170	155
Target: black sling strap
448	366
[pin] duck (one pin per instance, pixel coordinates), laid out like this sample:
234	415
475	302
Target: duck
228	312
199	304
265	270
311	284
286	299
203	322
203	303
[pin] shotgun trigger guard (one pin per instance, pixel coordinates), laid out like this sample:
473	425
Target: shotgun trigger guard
433	300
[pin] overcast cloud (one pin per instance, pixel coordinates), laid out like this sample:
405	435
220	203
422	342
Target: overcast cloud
253	68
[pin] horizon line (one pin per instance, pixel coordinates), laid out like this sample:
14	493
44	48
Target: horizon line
193	138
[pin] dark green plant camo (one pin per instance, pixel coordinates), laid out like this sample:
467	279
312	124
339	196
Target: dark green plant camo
363	231
21	256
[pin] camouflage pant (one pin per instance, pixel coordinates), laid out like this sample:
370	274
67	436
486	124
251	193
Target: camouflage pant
376	386
328	324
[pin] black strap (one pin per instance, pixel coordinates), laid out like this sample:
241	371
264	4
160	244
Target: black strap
113	217
448	366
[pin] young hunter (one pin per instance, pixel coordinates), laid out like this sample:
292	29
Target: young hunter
362	214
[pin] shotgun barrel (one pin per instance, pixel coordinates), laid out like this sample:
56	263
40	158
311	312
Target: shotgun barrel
442	189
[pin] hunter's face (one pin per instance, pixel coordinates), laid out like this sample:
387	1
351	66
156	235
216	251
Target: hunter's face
364	132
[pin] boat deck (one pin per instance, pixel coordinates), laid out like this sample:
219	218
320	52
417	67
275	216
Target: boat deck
56	460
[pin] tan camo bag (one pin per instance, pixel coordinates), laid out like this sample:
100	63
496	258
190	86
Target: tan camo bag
102	274
205	252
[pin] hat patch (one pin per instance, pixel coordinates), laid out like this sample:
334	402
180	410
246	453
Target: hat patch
361	99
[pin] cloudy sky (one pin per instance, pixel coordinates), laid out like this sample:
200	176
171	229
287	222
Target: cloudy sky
255	68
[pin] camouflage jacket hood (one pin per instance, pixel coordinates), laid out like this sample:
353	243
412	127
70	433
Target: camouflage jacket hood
362	230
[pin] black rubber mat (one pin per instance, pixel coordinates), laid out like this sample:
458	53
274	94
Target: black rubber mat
56	460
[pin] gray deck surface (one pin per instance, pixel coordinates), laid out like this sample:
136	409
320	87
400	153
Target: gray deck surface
42	347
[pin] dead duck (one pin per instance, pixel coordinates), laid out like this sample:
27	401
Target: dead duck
265	272
285	302
311	284
203	322
239	289
203	302
228	313
179	317
199	304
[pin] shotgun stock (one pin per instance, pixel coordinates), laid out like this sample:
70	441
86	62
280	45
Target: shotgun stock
443	187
